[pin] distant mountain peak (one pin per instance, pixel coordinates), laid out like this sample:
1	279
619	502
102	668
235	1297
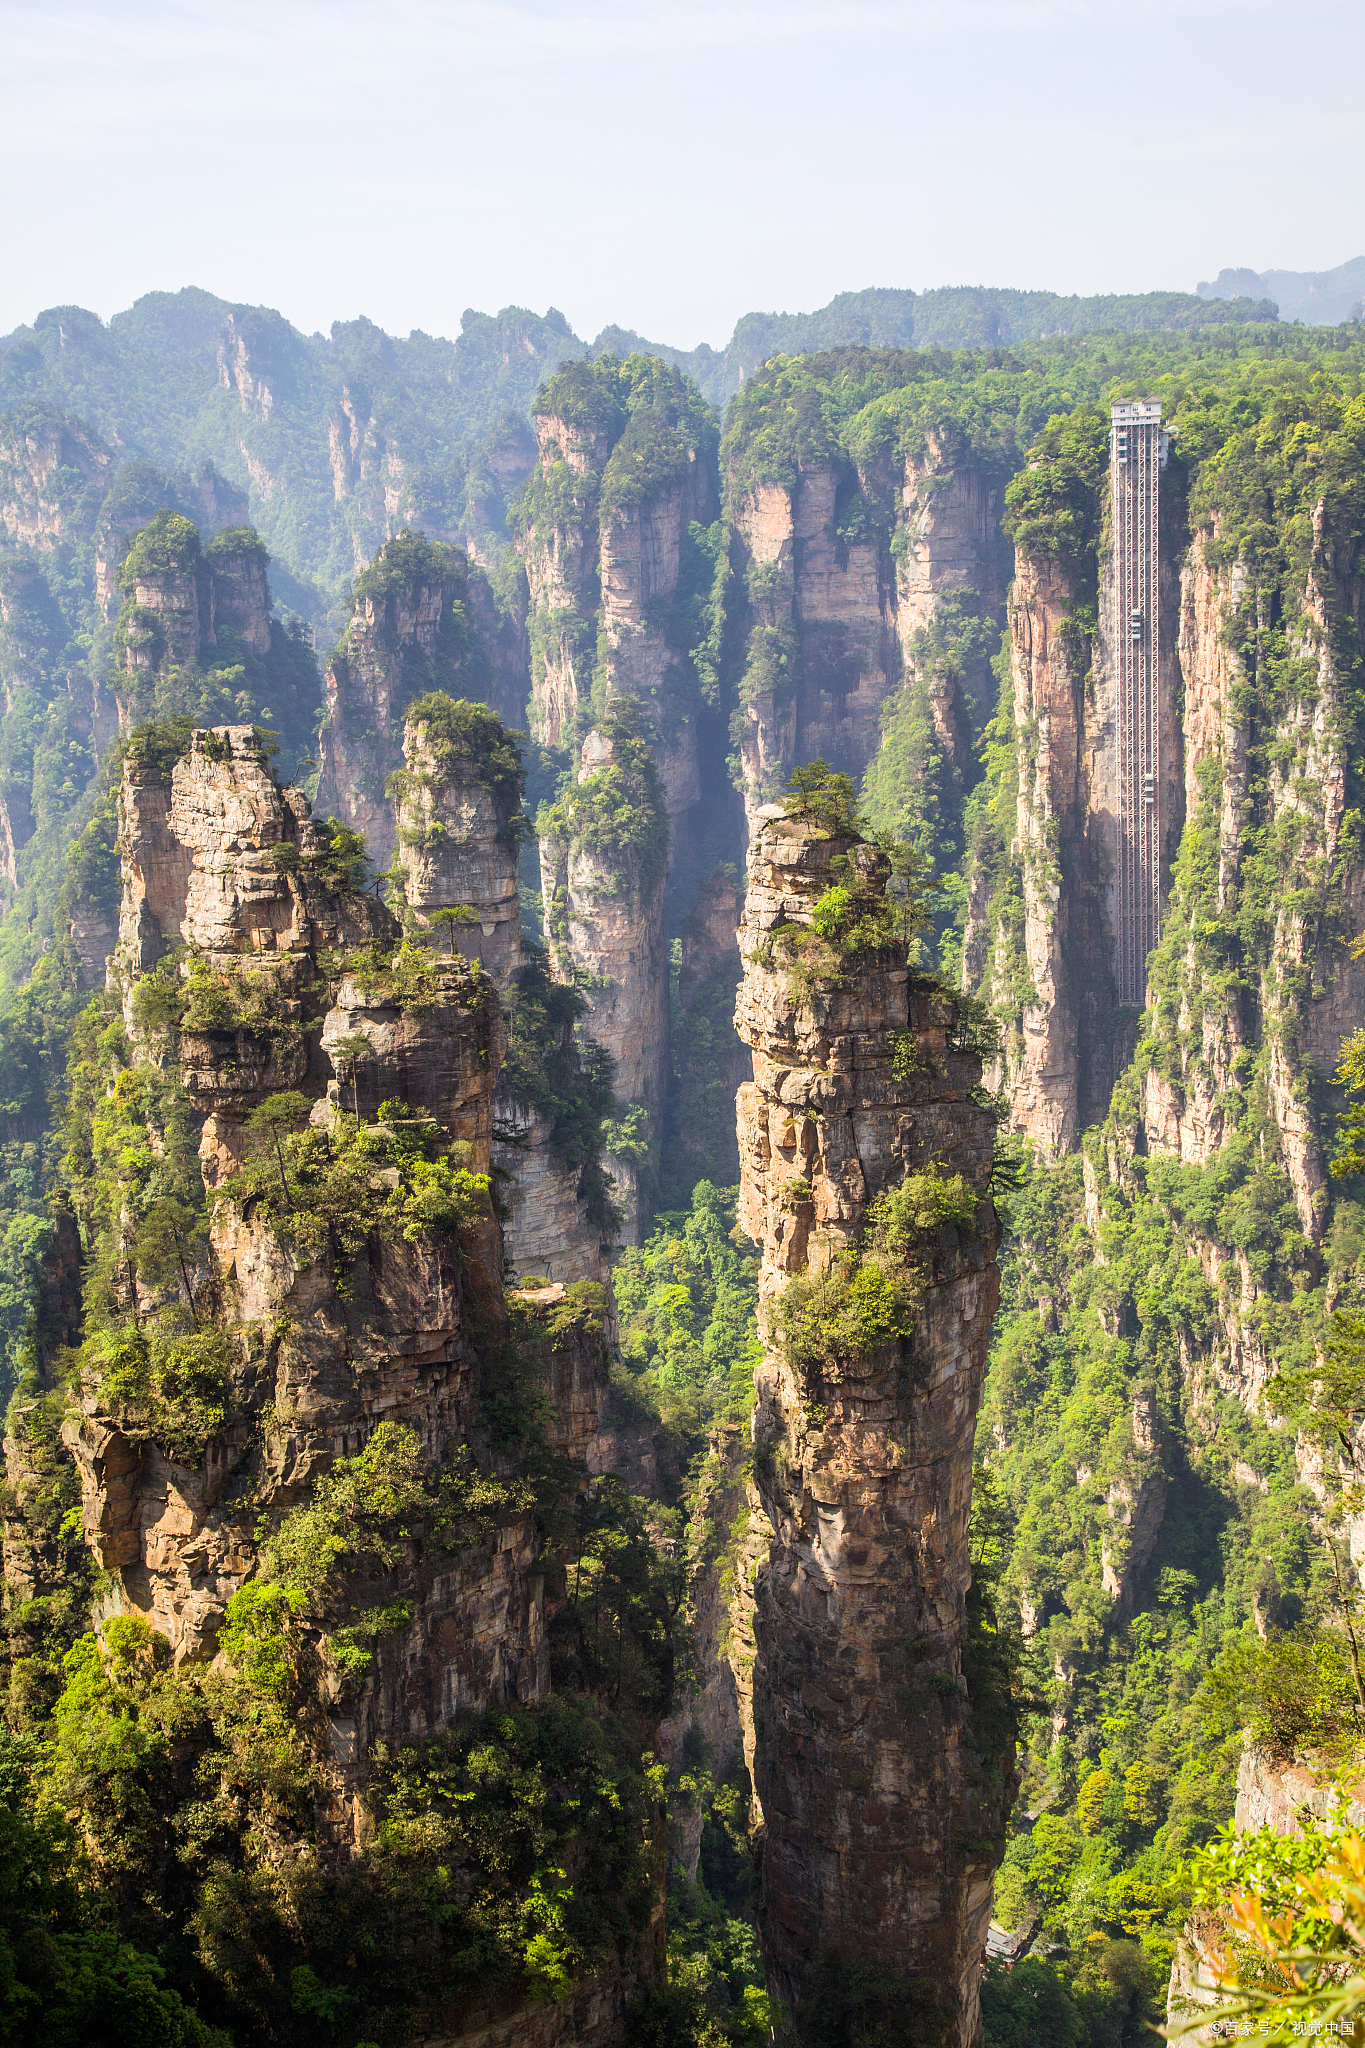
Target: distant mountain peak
1319	298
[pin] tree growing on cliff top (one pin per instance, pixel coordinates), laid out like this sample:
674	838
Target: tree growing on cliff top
458	730
617	811
865	906
823	796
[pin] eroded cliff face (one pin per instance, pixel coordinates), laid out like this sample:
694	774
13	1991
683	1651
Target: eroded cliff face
1042	955
560	550
407	634
385	1312
626	471
877	1811
208	499
59	486
382	483
952	509
179	596
848	571
1050	974
458	818
53	474
603	857
552	1230
822	647
641	556
1252	778
202	852
1041	948
459	823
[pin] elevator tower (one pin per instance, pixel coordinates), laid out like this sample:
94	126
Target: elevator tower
1137	456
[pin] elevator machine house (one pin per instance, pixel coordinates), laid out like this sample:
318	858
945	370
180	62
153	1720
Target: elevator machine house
1137	456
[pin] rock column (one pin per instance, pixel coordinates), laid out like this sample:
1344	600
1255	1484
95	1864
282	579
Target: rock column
457	832
880	1816
603	856
406	634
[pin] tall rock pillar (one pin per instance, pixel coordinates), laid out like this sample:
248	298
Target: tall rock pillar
458	811
407	635
603	856
607	529
865	1166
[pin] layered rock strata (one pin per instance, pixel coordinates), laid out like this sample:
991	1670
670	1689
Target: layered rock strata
457	806
627	465
458	833
416	1331
1307	994
210	501
210	850
1049	976
407	634
822	650
202	849
876	1810
1057	994
180	597
837	616
548	1230
41	454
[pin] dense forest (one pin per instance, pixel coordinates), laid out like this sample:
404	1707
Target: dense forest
214	525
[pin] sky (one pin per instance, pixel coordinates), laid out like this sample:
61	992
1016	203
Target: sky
666	168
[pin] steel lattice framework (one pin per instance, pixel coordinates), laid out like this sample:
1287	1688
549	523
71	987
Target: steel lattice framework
1137	455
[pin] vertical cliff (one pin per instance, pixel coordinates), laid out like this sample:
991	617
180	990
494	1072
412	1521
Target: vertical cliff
874	571
458	821
180	597
407	635
614	529
195	638
1040	985
316	1467
628	571
822	653
1172	1291
603	855
1039	936
1039	939
1253	988
554	1095
161	623
865	1166
457	806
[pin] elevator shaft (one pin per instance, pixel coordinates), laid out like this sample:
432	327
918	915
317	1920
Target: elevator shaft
1137	456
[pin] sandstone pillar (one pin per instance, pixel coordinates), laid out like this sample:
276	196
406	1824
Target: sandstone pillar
881	1815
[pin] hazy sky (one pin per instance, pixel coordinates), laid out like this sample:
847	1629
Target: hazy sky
666	167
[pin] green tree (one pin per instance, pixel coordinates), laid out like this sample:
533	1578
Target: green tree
829	799
455	917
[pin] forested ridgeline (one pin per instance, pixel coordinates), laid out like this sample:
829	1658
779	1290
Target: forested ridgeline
335	440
